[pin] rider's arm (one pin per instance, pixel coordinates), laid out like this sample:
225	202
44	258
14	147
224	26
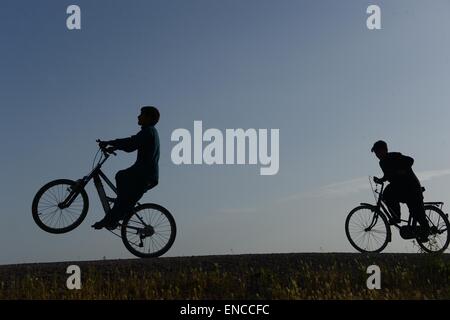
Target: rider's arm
407	161
405	164
380	180
386	171
128	144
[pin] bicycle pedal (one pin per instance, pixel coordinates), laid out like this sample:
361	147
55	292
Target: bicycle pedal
433	230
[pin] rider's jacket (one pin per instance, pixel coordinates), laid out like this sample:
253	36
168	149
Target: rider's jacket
146	142
397	169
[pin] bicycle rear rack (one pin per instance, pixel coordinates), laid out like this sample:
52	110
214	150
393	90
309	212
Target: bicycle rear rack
434	204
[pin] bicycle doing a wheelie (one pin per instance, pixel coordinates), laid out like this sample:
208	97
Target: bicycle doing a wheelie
368	226
61	205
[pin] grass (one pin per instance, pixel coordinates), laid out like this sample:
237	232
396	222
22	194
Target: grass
276	276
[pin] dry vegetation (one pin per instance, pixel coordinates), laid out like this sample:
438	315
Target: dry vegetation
268	276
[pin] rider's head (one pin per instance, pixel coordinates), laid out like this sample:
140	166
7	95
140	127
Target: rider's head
380	148
149	116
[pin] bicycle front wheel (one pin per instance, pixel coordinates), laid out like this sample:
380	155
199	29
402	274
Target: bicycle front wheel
149	231
50	216
439	239
367	230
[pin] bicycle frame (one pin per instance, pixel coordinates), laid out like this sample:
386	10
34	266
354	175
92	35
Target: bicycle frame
98	175
381	208
379	217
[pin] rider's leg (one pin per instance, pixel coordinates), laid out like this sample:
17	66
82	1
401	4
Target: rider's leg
124	185
132	188
391	198
129	199
127	202
129	191
417	210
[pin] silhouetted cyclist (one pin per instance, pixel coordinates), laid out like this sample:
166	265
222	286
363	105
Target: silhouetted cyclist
143	175
404	186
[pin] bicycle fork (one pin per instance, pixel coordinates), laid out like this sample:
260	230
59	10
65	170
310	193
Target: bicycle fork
74	192
374	222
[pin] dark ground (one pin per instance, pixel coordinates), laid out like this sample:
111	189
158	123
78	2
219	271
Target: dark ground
252	276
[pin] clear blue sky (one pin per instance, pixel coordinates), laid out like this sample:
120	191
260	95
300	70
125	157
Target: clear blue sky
308	68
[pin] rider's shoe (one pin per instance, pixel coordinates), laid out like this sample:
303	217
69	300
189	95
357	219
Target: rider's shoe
99	224
109	224
104	223
113	224
433	230
395	217
424	233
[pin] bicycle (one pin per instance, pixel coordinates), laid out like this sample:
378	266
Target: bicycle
368	230
61	205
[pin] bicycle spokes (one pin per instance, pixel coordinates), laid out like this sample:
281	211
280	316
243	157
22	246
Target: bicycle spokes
149	230
373	223
51	211
367	230
438	238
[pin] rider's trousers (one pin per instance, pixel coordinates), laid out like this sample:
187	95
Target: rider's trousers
131	186
413	198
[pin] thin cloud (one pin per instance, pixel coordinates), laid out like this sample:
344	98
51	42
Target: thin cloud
237	210
348	187
431	174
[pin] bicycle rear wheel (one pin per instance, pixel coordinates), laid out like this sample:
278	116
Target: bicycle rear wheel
439	238
367	230
149	231
46	211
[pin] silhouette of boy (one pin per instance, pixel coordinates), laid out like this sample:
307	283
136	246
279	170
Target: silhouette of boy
404	186
142	176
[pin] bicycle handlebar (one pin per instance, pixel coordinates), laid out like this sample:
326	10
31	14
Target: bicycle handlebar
105	150
373	179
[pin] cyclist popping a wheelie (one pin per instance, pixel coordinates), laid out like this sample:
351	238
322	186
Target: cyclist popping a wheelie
133	182
147	230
